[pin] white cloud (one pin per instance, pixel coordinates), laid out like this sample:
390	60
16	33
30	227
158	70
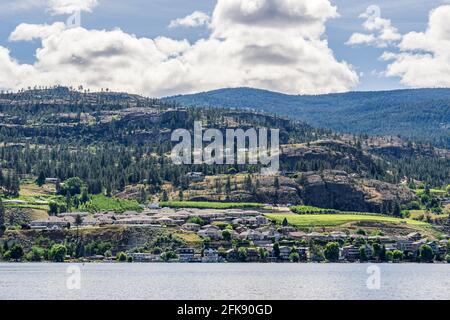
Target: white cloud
28	32
382	33
196	19
424	58
71	6
270	44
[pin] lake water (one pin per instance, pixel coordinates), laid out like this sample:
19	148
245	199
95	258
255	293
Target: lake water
223	281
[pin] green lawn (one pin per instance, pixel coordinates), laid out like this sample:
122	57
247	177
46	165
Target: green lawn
332	220
209	205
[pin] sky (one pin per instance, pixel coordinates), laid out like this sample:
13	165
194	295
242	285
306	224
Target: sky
167	47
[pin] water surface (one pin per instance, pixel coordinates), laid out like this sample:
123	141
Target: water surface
224	281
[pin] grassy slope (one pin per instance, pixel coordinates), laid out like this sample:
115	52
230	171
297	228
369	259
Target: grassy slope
331	220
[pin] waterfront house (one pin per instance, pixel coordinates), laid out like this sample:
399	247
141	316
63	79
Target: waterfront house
210	256
285	252
349	253
186	254
146	257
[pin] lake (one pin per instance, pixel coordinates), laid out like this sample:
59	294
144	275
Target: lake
224	281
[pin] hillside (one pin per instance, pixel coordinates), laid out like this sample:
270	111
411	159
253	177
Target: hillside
422	114
119	145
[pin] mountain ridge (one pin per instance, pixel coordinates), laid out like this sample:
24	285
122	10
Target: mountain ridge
420	114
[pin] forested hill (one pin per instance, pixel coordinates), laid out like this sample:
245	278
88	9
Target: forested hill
422	114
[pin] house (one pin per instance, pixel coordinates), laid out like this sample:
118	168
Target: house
414	236
212	233
297	235
285	252
210	256
146	257
405	244
186	254
251	235
434	246
191	227
153	206
165	221
338	236
73	214
252	255
195	176
349	253
286	230
52	180
52	223
232	255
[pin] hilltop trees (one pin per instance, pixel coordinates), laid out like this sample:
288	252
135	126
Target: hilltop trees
2	217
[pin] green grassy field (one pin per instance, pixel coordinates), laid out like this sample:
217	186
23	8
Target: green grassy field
99	203
311	210
210	205
332	220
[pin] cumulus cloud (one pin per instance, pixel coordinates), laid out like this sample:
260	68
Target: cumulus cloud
381	31
424	58
196	19
28	32
71	6
271	44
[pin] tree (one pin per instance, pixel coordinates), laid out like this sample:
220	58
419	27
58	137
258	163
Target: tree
2	218
332	251
398	256
143	195
58	253
16	252
362	254
263	254
84	196
426	253
276	183
40	181
121	257
78	223
294	257
36	254
285	222
165	197
226	234
72	186
68	200
242	254
276	249
53	208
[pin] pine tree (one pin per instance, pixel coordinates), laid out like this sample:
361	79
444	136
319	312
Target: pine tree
41	179
2	217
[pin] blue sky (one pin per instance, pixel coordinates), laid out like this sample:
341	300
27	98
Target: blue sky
150	19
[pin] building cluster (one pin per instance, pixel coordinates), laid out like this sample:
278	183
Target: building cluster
233	231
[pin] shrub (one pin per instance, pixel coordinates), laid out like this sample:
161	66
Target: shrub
121	257
331	251
36	254
58	253
294	257
16	252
